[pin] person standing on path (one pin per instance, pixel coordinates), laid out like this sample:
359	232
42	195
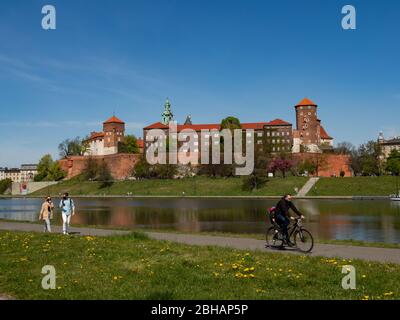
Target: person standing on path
46	214
67	207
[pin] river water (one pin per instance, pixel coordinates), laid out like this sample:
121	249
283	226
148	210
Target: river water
367	220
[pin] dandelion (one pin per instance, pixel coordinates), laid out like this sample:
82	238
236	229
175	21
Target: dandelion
363	276
388	293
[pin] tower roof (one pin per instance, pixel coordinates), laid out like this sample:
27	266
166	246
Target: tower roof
114	119
306	102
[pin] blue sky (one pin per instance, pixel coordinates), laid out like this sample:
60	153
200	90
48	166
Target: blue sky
251	59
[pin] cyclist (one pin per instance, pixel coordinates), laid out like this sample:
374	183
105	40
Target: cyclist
282	216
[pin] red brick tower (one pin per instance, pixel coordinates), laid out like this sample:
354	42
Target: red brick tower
307	122
114	132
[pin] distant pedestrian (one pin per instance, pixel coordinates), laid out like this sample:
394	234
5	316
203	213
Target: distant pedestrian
67	207
46	213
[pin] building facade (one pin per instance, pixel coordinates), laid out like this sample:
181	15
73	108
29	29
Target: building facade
387	145
273	136
26	173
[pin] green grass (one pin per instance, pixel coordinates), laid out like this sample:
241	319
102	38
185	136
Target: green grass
199	186
134	267
355	186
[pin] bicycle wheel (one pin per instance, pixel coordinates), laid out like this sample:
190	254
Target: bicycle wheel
274	238
303	240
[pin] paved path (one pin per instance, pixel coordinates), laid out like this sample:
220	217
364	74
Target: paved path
324	250
307	187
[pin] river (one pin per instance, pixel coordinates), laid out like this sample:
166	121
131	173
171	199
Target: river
366	220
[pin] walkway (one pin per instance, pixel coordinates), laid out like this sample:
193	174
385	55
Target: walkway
384	255
307	187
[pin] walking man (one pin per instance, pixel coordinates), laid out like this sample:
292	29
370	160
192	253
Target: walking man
67	207
46	213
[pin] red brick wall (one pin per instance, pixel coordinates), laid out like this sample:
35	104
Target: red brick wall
331	164
120	165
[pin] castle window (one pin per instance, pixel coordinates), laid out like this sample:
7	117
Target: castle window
260	134
259	142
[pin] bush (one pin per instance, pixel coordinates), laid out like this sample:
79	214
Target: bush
253	182
5	185
143	170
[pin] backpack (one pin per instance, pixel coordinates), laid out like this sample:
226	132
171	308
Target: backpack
271	214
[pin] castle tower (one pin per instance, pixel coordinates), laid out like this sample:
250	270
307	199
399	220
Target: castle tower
114	132
308	124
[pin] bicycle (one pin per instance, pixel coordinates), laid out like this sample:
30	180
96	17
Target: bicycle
301	237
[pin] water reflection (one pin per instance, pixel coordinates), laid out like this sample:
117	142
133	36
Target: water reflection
328	219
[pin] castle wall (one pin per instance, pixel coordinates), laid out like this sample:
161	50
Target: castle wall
330	164
120	165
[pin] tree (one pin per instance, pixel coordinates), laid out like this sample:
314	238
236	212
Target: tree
129	145
280	164
49	170
253	181
73	147
369	158
230	123
319	162
393	163
344	148
5	185
97	170
306	166
142	169
43	168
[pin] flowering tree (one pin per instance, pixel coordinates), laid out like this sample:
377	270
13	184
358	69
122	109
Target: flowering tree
280	164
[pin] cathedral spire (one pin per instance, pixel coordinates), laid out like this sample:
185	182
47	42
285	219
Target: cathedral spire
167	115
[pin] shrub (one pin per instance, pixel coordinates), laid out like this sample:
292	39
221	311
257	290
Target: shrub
5	185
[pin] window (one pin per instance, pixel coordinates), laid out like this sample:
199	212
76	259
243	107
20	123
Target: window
259	134
259	142
248	134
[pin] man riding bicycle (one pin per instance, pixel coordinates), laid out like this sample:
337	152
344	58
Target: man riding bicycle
282	216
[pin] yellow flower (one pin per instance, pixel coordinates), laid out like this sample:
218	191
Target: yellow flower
388	293
363	276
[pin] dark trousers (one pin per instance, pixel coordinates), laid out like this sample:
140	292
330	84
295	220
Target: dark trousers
283	222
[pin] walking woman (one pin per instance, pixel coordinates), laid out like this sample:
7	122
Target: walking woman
46	214
67	207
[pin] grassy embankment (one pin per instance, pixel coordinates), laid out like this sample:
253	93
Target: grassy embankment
355	186
133	267
199	186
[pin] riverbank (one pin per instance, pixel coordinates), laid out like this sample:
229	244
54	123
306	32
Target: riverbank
357	188
132	266
188	187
